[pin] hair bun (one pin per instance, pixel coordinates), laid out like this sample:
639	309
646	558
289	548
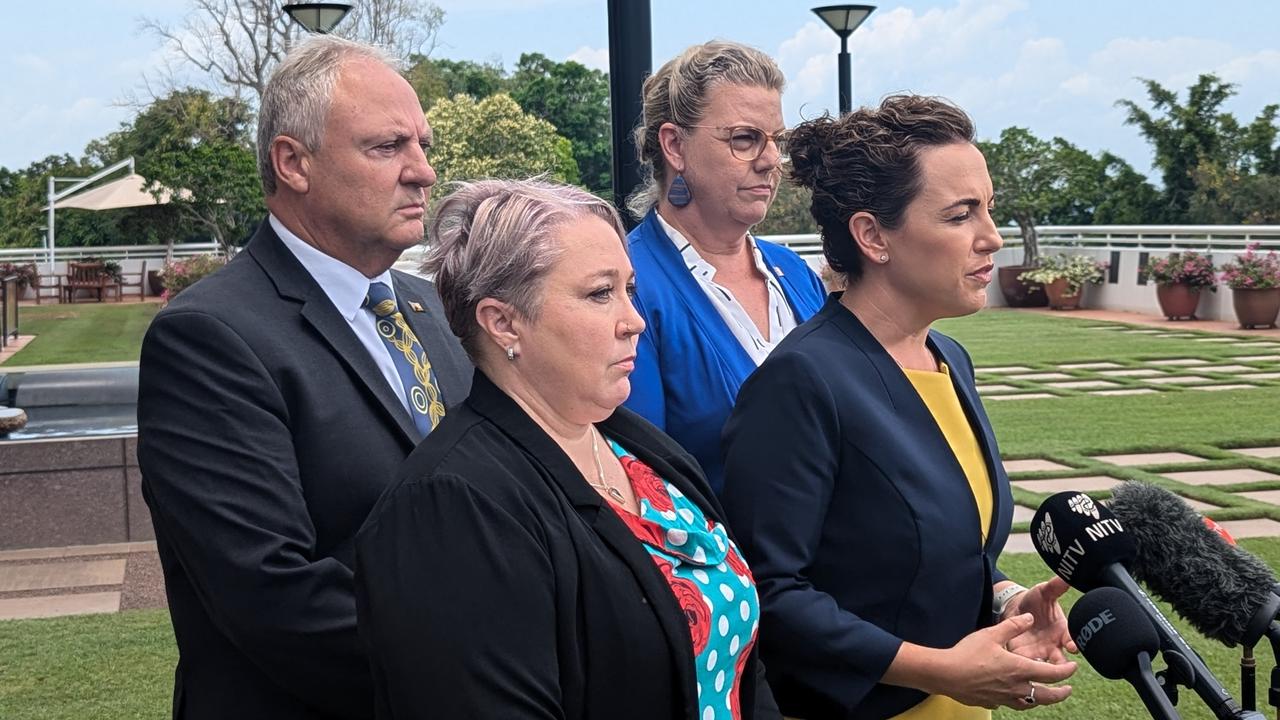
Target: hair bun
809	146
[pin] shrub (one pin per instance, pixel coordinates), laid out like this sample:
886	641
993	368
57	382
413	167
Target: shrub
182	274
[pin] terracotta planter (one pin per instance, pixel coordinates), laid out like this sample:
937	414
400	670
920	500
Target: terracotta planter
1256	308
1020	293
1177	301
1058	297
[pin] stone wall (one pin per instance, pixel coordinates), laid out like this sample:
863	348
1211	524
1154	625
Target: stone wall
81	491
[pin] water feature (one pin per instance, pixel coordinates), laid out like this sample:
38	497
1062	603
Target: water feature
62	403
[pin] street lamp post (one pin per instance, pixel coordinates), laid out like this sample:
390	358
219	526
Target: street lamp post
317	17
844	19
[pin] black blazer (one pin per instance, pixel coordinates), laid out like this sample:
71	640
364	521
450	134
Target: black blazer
856	517
493	582
265	434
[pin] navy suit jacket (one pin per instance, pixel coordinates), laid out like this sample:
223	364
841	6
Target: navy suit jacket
266	432
858	521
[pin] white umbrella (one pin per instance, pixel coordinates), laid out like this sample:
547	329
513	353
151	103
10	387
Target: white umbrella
128	191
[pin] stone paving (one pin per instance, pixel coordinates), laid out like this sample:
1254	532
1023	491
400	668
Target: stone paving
1176	467
79	580
1253	367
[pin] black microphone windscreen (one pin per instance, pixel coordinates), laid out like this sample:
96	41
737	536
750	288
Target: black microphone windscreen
1216	586
1110	630
1077	538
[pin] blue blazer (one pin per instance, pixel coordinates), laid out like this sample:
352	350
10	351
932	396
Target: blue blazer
689	365
857	519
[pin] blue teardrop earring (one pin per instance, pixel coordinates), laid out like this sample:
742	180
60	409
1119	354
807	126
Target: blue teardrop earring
679	194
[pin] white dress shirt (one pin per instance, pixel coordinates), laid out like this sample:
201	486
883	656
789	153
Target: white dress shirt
781	319
347	288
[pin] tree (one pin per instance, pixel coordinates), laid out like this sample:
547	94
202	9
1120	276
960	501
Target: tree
1127	197
789	214
191	141
436	79
1025	175
237	43
495	138
575	99
1185	135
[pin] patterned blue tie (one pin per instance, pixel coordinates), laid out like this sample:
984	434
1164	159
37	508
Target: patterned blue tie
409	358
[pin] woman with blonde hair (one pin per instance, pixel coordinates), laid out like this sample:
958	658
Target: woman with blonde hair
716	299
545	553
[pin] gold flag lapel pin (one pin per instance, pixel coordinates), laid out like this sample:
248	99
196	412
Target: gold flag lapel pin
416	307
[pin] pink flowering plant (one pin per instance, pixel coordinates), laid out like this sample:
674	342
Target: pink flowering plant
1252	270
1190	268
179	275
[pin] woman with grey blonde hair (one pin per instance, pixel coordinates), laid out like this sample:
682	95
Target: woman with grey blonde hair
716	299
544	552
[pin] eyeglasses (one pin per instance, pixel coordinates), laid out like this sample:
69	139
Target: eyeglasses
748	143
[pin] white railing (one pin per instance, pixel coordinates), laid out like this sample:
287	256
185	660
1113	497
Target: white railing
1123	245
119	253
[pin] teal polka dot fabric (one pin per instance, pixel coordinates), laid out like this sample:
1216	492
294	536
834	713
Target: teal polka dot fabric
709	579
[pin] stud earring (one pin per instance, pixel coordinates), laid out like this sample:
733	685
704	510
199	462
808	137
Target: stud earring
678	194
511	353
883	258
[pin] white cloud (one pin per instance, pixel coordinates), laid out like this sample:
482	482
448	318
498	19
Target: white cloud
595	58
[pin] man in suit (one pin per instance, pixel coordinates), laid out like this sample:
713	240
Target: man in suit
279	395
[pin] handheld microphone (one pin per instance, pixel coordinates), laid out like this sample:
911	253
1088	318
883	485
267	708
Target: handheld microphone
1220	589
1087	546
1119	641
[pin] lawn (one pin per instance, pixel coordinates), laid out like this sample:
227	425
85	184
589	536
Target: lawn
82	333
121	666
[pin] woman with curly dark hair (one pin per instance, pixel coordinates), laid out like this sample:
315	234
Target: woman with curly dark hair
861	472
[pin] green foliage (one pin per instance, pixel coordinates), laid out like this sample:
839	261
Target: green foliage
438	79
182	274
1075	269
495	138
575	99
1025	176
192	141
1214	170
789	214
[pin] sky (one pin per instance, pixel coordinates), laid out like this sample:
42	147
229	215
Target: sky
1054	67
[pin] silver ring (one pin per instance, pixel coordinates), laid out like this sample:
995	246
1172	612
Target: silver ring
1030	699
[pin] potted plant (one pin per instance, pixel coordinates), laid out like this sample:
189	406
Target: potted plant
1179	278
1255	287
1064	278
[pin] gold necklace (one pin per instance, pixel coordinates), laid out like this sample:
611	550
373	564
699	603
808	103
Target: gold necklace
614	493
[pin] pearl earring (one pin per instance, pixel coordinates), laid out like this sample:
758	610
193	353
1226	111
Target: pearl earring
884	258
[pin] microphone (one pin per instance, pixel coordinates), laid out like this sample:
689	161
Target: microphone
1118	640
1084	544
1220	589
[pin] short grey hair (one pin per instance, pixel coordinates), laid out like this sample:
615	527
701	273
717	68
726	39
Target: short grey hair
298	96
497	239
677	93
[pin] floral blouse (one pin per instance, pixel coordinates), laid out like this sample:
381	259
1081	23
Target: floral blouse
708	577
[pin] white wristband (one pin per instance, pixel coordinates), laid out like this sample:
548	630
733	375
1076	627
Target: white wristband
1000	602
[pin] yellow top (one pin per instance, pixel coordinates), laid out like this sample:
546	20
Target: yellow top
939	395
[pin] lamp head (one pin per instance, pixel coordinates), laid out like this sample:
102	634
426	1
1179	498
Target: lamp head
844	19
317	17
